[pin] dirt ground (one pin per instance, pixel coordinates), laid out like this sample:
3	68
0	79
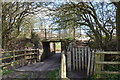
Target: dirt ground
35	71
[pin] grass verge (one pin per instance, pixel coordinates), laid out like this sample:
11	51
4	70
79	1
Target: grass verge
5	71
53	75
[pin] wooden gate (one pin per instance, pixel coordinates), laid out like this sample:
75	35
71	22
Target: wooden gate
81	59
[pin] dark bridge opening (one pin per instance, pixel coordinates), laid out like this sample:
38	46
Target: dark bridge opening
50	48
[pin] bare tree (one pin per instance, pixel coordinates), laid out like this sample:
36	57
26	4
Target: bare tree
13	15
86	14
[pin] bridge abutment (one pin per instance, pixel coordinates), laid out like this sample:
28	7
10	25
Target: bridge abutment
46	50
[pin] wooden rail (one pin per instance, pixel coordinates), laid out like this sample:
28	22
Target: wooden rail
19	57
99	62
63	66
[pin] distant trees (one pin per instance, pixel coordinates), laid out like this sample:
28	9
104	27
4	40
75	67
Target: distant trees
64	17
98	17
27	26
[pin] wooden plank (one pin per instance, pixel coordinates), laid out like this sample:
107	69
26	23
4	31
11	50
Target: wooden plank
11	63
97	67
24	57
102	59
85	57
101	62
4	64
17	56
70	57
30	58
37	60
69	60
80	59
39	54
89	62
107	72
18	51
92	63
13	59
63	66
73	59
6	57
76	59
99	53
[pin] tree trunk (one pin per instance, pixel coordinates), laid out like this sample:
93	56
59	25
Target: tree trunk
118	27
74	32
4	42
0	26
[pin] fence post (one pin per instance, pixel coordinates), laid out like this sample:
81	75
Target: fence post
63	65
102	59
92	63
24	57
73	58
86	62
80	60
30	57
76	58
37	57
13	63
89	62
97	66
34	56
82	57
69	60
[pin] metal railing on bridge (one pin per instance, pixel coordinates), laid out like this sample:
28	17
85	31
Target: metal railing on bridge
54	34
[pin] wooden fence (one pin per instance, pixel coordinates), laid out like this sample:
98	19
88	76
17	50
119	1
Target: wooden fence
81	59
13	59
90	61
100	62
